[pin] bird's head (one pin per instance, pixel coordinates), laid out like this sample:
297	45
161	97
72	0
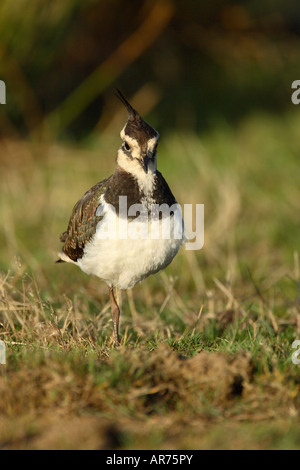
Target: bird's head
137	154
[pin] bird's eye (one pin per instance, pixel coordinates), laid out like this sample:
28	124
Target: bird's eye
126	146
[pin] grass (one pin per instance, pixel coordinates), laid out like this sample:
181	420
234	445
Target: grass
205	360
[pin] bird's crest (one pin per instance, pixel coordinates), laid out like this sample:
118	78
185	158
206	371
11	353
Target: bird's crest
131	111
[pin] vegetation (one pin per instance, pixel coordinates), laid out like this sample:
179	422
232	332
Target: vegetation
231	310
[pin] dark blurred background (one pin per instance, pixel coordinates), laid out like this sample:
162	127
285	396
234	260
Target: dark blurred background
189	64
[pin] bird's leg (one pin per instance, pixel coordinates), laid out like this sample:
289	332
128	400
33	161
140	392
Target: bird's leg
115	313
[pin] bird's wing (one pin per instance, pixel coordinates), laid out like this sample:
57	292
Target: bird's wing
83	221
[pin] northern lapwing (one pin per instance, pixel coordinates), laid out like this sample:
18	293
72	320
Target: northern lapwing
129	225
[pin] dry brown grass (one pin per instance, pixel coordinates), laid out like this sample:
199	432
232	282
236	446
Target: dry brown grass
137	397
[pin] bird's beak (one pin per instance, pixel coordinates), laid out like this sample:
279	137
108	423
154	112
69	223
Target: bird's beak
144	160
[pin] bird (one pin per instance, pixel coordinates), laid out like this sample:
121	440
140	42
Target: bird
97	237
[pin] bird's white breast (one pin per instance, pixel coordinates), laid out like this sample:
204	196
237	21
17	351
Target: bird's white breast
124	252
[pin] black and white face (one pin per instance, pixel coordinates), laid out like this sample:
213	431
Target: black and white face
137	154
